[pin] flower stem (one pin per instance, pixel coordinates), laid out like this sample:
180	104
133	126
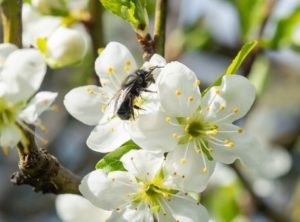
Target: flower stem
160	26
11	15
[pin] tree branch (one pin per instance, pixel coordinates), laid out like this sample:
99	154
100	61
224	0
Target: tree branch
11	13
43	171
160	26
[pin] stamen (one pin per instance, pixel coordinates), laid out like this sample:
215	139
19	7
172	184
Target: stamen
110	70
235	110
190	98
54	108
240	130
178	92
218	91
198	82
90	91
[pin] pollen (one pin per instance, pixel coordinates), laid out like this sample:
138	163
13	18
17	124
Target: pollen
235	110
240	130
174	135
182	161
113	179
132	158
178	92
226	141
222	107
54	108
103	107
204	170
46	102
128	63
210	149
168	119
44	142
231	144
112	129
126	68
198	82
110	70
190	98
207	108
90	91
218	91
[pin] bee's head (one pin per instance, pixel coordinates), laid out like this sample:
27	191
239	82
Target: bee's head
142	73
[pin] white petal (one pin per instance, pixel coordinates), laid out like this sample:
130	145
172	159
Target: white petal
114	63
152	133
23	71
75	208
108	136
245	147
141	213
188	175
143	164
38	104
184	209
155	61
236	92
5	50
178	90
86	103
108	192
10	136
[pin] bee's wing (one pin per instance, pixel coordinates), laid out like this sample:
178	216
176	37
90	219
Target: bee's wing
118	99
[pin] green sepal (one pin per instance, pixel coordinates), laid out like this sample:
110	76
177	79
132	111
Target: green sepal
132	11
181	120
111	162
184	139
235	64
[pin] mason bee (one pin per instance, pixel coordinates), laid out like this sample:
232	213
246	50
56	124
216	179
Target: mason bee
131	88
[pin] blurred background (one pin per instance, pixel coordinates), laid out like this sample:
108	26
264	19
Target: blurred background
205	35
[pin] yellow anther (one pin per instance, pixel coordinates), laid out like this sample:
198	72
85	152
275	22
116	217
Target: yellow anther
235	110
174	135
204	170
182	161
199	151
45	142
5	151
198	82
190	98
110	70
112	129
90	91
168	119
186	127
231	144
207	108
190	137
54	108
174	174
103	107
46	102
226	141
222	107
217	91
178	92
128	63
214	131
113	179
132	158
240	130
210	149
126	68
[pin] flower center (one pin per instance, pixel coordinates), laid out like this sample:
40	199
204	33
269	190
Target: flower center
152	192
8	114
194	128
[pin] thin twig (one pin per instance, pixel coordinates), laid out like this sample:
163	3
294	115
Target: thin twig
11	14
161	9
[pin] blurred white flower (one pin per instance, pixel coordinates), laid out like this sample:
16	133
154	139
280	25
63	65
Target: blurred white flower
142	193
21	74
49	6
92	105
75	208
197	131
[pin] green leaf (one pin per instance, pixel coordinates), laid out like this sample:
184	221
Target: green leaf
235	64
133	11
285	29
111	162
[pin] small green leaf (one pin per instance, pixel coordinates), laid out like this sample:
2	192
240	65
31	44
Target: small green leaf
133	11
235	64
42	45
241	56
111	162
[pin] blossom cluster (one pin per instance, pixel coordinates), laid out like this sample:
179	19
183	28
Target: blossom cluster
180	133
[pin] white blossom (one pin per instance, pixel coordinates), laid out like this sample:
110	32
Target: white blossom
143	193
21	74
93	105
75	208
197	131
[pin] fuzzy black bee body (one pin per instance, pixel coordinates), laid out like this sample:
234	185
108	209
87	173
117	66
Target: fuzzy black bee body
131	88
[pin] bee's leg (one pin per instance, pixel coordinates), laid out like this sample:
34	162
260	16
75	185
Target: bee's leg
138	108
149	91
